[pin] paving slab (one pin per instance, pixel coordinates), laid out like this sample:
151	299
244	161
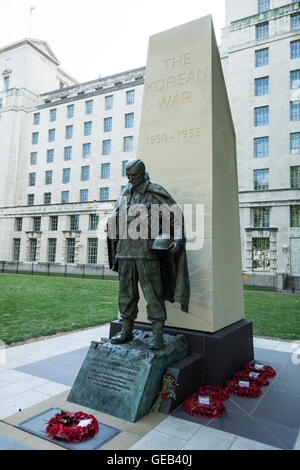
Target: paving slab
10	444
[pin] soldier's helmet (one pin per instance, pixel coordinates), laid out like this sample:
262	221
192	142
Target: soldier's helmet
162	242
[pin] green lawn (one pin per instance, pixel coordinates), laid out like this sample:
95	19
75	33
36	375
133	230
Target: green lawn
39	306
35	306
274	315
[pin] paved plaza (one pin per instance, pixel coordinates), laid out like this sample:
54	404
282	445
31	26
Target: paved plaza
38	376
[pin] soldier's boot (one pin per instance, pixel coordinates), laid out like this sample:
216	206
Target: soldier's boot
157	342
126	335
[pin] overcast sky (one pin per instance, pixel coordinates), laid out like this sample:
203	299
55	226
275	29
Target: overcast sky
101	37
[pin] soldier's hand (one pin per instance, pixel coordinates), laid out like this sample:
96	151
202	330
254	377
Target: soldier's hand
175	247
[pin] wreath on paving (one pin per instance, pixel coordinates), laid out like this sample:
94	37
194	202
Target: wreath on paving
72	427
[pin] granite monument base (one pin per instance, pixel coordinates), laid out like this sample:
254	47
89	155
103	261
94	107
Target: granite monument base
122	380
223	352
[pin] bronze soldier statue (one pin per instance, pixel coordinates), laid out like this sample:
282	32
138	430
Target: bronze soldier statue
159	265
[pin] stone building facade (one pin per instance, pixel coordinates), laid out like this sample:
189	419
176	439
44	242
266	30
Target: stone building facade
260	53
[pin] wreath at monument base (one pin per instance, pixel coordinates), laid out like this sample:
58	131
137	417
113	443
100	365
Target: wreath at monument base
72	427
236	388
268	371
215	392
257	379
192	406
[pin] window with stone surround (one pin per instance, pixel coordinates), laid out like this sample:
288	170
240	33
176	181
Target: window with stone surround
108	124
32	249
295	49
33	158
261	254
51	135
35	138
88	128
51	250
295	216
261	116
92	250
37	224
66	175
50	156
85	173
109	102
16	249
262	57
262	30
53	222
295	177
128	144
261	86
52	115
30	199
84	195
65	197
294	79
295	21
104	194
19	223
32	178
261	179
130	97
261	147
86	150
261	217
263	5
295	142
129	120
68	153
70	250
105	170
36	119
48	177
106	147
74	222
70	111
47	198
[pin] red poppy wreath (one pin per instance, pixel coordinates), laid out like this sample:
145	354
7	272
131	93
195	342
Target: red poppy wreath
72	427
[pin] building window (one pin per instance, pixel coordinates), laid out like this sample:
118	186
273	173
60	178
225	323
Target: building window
129	120
36	224
16	249
263	5
105	170
69	132
48	177
104	194
6	83
295	142
124	164
35	138
36	119
262	30
50	156
32	177
89	107
295	110
295	79
88	128
32	249
47	198
33	158
65	197
52	115
108	124
51	250
295	177
68	153
30	199
19	223
295	216
295	21
66	175
84	195
130	97
128	144
261	116
94	221
295	49
51	135
85	173
106	147
261	217
92	250
261	180
261	254
71	250
262	57
261	147
70	111
53	223
261	86
109	102
74	222
86	150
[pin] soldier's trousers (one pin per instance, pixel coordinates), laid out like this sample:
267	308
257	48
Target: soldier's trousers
147	272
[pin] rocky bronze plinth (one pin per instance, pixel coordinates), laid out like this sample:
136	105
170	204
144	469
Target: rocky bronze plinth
122	380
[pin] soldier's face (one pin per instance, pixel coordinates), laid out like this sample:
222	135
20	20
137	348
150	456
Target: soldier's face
135	176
